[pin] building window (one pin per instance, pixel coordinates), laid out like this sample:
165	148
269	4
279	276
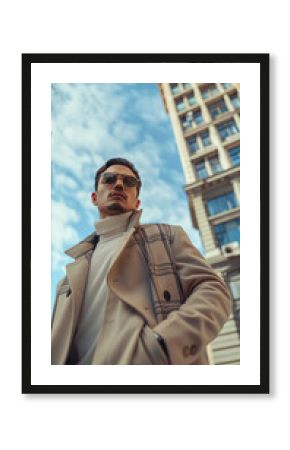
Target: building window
186	121
186	85
221	203
205	138
215	164
234	154
217	108
209	91
226	129
192	144
197	117
200	170
227	232
235	100
226	85
191	99
180	106
175	89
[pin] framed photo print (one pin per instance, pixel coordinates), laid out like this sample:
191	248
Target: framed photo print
145	226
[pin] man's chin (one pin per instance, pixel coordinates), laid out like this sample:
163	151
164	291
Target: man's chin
115	208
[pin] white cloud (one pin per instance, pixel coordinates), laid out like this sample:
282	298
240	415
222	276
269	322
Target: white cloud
176	176
62	180
64	230
67	157
150	109
88	210
88	126
146	155
125	131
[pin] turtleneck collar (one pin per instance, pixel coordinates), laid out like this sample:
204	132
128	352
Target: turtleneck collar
114	225
89	242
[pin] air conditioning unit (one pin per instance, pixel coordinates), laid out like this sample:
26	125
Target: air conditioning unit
231	249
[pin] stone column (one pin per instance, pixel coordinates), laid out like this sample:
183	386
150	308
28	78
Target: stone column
205	114
236	187
203	224
237	119
178	132
228	102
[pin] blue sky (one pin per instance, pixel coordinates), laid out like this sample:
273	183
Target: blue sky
92	123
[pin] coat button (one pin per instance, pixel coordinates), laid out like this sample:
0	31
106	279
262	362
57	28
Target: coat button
166	295
193	349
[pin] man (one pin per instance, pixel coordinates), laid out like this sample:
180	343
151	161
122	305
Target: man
118	306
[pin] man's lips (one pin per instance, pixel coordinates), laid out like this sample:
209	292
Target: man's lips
117	195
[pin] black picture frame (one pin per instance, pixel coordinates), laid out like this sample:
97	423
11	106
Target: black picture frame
263	61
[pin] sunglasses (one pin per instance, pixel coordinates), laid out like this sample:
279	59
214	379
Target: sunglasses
111	178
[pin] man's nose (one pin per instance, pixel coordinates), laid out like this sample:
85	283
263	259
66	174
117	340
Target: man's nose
119	183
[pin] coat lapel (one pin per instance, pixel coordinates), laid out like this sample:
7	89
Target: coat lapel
123	277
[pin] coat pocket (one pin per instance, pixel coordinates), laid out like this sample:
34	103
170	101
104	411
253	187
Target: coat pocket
148	350
153	347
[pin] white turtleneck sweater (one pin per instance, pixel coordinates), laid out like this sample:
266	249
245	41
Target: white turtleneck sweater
110	230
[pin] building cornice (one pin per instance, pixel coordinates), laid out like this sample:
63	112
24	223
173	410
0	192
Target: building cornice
232	172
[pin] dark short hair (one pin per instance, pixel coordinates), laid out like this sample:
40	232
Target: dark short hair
119	162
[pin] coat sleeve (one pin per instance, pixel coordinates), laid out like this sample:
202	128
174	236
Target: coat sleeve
188	330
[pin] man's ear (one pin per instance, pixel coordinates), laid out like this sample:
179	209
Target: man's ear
138	203
94	198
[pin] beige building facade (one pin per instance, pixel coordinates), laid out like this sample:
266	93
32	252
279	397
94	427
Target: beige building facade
205	118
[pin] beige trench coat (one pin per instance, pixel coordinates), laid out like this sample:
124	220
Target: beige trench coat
126	335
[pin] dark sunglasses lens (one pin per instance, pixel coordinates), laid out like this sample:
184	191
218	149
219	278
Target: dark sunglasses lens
130	181
109	178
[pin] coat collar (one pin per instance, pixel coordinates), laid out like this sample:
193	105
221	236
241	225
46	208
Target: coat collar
90	241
